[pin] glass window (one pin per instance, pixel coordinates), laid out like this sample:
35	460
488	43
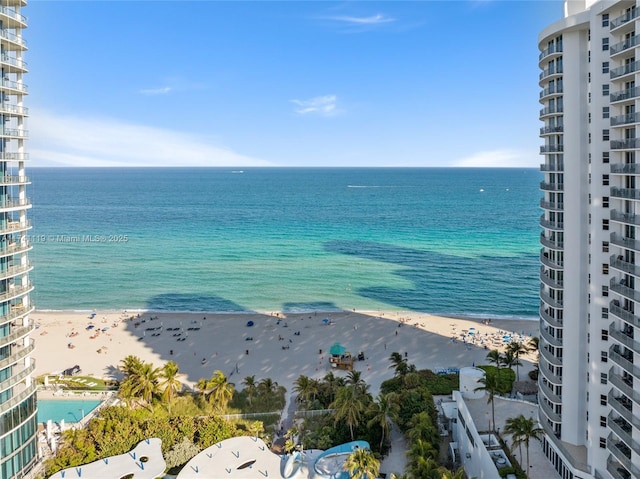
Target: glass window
605	19
605	44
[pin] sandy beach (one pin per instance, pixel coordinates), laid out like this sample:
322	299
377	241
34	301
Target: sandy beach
281	346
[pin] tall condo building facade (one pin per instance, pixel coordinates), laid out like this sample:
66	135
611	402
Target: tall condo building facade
18	451
589	383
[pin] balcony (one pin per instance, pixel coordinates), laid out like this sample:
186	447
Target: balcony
625	339
550	263
623	314
15	86
550	51
551	225
627	243
623	386
549	412
13	38
18	398
552	340
550	377
17	270
551	205
627	144
551	71
616	470
15	248
552	166
619	263
552	283
8	203
544	314
14	227
622	453
624	45
626	94
550	358
5	156
18	377
545	130
622	289
15	19
551	301
549	243
551	186
13	133
13	62
551	90
550	110
624	119
16	313
16	292
14	110
635	422
549	394
16	334
625	169
624	18
625	193
625	361
552	149
627	218
623	70
13	180
19	354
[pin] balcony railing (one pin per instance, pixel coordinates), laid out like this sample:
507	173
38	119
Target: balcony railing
624	18
551	109
552	340
13	61
625	193
551	301
15	248
626	144
551	90
628	218
549	243
624	119
16	333
551	225
625	339
630	67
20	354
626	94
549	412
625	169
550	358
13	85
623	362
549	376
545	130
621	455
13	14
551	186
548	393
19	377
624	45
623	314
12	37
617	381
550	50
619	263
623	290
14	156
14	132
16	292
551	148
550	71
18	398
556	323
616	470
16	270
552	166
8	108
551	205
13	180
17	312
549	263
14	226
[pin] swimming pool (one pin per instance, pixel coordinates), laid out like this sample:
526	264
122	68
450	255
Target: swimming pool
71	410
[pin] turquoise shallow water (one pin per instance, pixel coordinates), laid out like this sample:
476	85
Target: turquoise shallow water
450	241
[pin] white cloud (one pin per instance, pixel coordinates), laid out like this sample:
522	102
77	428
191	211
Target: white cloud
372	20
156	91
76	141
319	105
499	159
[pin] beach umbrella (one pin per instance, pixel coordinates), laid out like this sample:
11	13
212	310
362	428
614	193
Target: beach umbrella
249	324
337	349
326	320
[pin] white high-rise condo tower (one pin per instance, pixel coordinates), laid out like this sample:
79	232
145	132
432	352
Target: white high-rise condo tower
18	451
589	382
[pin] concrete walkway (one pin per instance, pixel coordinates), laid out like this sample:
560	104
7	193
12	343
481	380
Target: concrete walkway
396	461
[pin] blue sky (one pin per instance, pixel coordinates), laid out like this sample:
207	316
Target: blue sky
259	83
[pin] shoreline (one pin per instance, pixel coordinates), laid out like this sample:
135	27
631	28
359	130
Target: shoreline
278	345
462	316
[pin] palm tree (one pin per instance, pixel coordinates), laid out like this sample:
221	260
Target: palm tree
399	364
517	349
348	407
354	380
362	464
533	344
331	382
146	383
221	390
494	356
510	360
267	386
523	429
421	428
169	382
490	385
250	384
383	409
513	426
306	388
130	365
423	466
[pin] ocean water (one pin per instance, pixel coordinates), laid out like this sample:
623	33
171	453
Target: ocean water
439	240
